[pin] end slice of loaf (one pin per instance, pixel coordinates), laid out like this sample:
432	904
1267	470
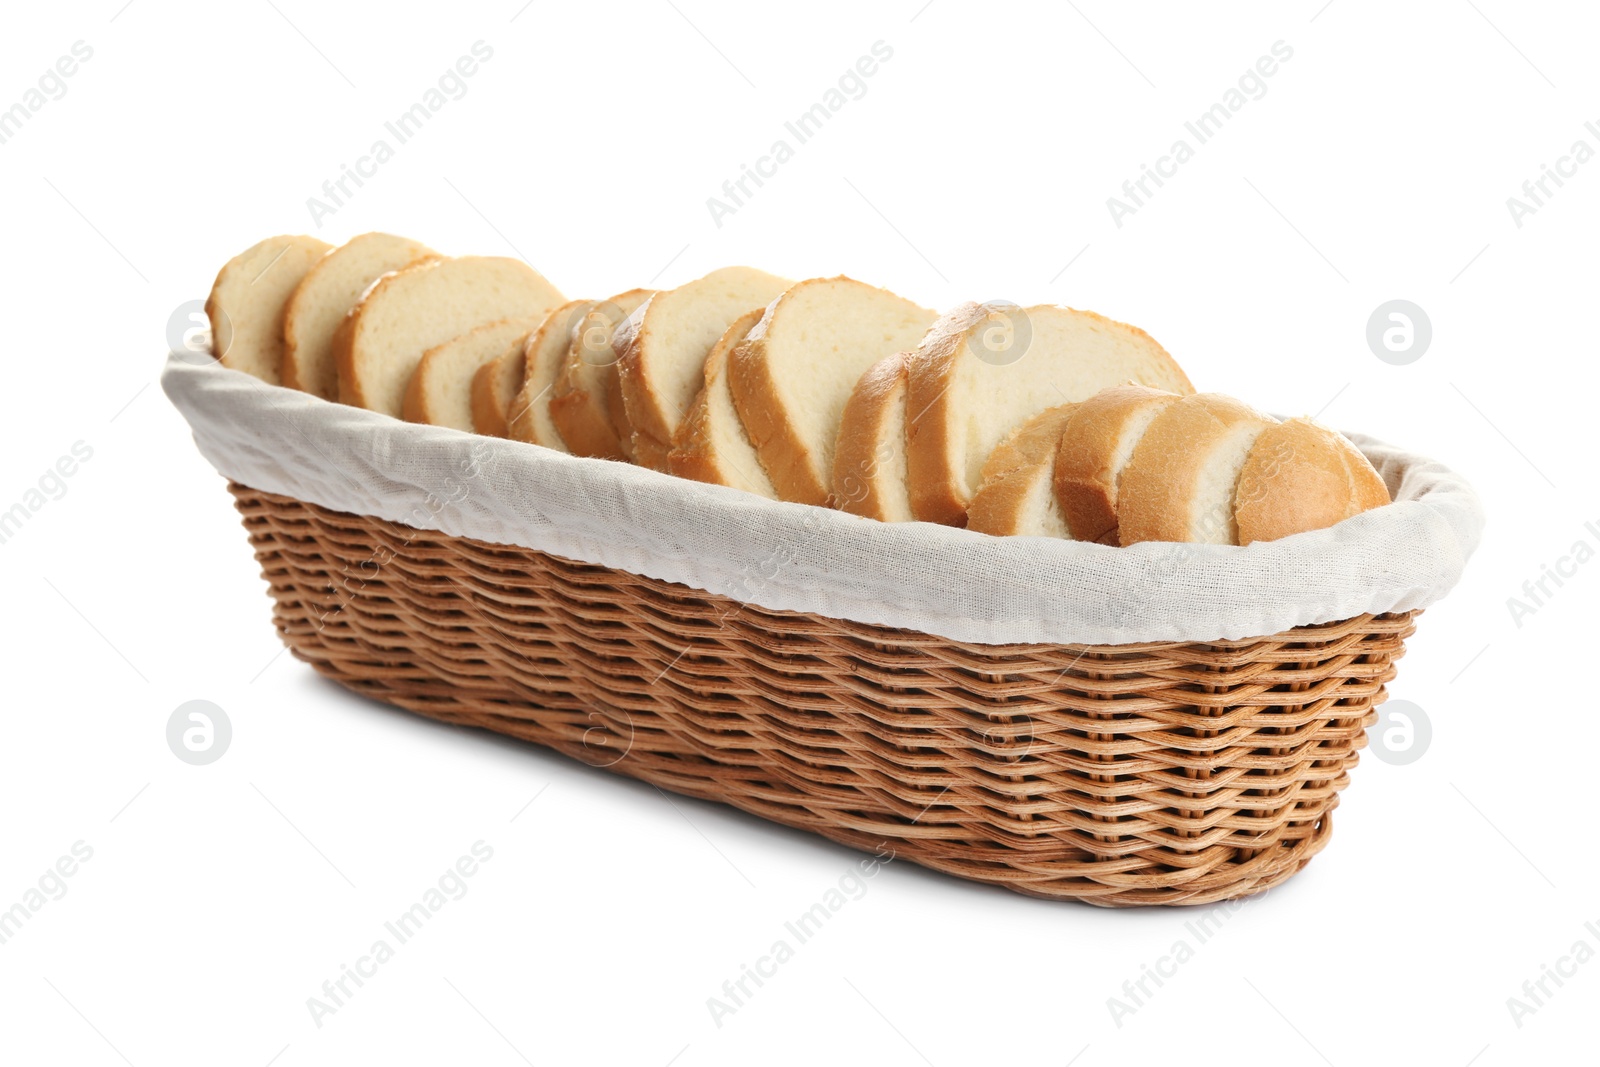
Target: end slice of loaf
495	386
585	404
1017	493
985	369
793	375
711	444
247	302
325	295
662	348
528	417
1096	445
440	391
379	344
1181	482
1302	476
869	458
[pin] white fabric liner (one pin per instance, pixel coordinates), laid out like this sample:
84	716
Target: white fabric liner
957	584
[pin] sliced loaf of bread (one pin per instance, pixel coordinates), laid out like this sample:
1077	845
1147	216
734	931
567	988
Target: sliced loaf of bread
1096	445
1302	476
793	375
325	295
586	402
247	301
662	348
440	391
1017	494
985	369
710	444
1181	482
869	458
528	416
381	341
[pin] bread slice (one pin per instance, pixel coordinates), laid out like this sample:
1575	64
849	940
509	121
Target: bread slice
440	391
247	301
869	458
528	416
495	385
586	403
1017	494
793	375
325	295
642	449
1302	476
662	348
985	369
711	445
404	314
1181	481
1096	445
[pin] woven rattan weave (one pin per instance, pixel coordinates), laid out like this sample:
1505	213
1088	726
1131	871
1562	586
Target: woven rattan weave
1113	774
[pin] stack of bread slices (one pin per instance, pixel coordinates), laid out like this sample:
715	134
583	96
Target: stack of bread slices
1042	421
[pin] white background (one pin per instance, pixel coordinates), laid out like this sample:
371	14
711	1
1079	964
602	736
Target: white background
977	165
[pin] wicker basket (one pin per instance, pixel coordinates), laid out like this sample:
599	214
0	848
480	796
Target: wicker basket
1161	773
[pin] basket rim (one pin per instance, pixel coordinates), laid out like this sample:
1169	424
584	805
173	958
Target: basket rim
939	580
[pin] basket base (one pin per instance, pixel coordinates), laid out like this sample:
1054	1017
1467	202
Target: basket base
1176	773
